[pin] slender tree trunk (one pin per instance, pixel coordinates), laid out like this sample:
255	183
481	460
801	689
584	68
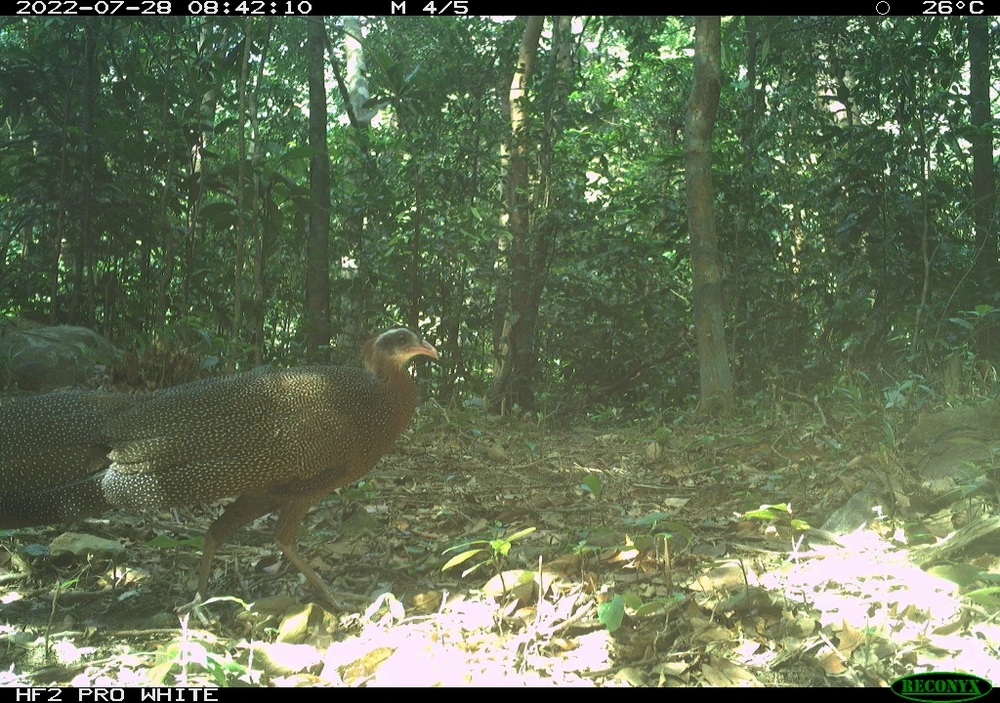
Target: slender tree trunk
517	347
59	232
983	186
209	43
359	168
416	275
88	144
239	258
167	236
259	224
716	382
318	248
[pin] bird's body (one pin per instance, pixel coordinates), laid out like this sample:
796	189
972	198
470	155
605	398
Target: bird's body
278	439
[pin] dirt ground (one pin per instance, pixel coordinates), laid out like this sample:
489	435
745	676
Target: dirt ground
605	553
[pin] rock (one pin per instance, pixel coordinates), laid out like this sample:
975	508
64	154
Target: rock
48	358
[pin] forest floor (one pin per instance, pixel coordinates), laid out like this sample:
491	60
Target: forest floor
600	553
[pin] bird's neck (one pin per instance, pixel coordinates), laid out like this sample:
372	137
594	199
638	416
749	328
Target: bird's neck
400	393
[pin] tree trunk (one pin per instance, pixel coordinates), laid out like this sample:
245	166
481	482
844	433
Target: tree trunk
85	238
59	233
983	187
360	168
517	344
239	258
318	248
179	242
716	382
261	207
416	246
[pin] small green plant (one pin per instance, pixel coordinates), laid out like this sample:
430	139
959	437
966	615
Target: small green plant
605	414
187	652
592	484
780	513
611	613
7	367
494	551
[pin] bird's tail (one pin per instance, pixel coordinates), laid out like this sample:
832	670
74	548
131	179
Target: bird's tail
73	501
53	456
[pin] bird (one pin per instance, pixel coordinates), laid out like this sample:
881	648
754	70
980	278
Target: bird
277	439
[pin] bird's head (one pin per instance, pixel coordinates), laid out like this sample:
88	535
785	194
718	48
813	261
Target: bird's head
389	352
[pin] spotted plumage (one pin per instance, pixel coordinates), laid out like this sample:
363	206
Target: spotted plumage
279	439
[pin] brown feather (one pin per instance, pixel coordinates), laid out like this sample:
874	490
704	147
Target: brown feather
279	439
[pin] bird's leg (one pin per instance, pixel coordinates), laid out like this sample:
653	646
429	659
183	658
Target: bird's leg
241	511
289	518
238	513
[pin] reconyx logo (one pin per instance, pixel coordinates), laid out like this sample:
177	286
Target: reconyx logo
941	686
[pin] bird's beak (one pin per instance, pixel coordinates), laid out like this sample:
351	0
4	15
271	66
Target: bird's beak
424	348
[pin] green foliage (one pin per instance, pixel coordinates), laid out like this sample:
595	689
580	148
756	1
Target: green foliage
495	552
985	597
780	513
611	613
186	656
592	484
839	161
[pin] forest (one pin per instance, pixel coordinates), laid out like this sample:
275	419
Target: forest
683	292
